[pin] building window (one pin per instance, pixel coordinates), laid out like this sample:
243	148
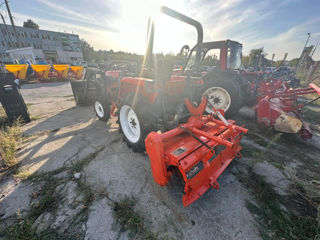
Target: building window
48	37
9	44
3	44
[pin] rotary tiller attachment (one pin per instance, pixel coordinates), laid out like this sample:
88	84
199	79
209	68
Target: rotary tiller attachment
200	149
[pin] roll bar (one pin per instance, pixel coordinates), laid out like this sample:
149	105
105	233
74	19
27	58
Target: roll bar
183	18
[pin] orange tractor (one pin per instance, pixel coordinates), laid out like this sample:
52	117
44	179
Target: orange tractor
199	146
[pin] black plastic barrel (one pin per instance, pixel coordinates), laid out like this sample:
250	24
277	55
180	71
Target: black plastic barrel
11	99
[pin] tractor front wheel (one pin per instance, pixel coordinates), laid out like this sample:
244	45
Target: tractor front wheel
134	123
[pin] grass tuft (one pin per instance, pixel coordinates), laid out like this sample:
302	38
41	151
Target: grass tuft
22	230
22	174
10	138
48	199
130	220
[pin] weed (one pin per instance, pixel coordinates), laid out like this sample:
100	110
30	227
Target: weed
78	166
48	199
22	230
274	220
22	174
269	146
3	117
10	138
249	151
88	194
29	104
33	117
130	220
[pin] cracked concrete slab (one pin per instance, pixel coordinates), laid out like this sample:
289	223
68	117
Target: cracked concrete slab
100	221
273	176
129	174
16	202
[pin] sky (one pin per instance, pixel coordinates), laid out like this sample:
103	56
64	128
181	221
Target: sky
279	26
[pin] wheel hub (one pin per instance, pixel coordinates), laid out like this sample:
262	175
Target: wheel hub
133	123
218	98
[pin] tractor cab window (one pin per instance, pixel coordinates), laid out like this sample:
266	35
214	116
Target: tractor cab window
234	57
191	60
211	59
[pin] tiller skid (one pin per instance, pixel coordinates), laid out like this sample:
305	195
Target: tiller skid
200	149
279	109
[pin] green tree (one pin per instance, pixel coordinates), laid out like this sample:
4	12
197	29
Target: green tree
87	50
254	57
294	62
246	61
30	24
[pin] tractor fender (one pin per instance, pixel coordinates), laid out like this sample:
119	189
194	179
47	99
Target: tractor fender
139	87
155	150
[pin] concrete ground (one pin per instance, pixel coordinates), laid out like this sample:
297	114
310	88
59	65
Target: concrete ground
82	154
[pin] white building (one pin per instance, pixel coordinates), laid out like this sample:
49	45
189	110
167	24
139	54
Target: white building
55	47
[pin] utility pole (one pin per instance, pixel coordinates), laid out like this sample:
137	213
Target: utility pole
11	20
273	55
302	56
5	25
314	49
305	44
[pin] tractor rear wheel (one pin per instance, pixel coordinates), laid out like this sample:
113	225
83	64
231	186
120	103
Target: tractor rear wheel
102	103
78	89
223	92
134	122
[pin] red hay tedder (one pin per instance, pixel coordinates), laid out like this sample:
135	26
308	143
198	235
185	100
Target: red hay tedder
277	107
